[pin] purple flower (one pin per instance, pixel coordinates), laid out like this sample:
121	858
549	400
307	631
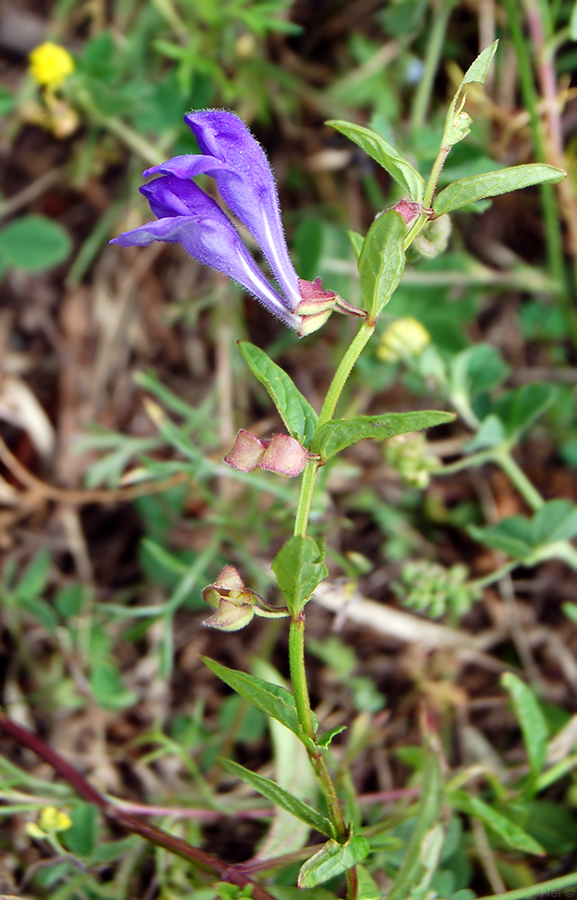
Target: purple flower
188	216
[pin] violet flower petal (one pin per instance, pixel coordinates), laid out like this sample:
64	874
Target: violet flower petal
190	217
246	183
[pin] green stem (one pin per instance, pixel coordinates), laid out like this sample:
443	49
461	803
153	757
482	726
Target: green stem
306	497
499	573
345	368
441	14
297	626
475	459
431	187
543	889
530	494
304	712
134	141
298	675
501	456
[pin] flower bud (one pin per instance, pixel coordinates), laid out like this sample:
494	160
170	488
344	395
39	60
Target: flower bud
284	455
246	453
433	239
403	338
408	454
281	454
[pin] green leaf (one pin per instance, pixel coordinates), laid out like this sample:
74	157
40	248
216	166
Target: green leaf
338	434
34	579
81	836
520	537
34	243
293	772
272	699
332	860
400	169
7	101
69	600
299	567
40	610
382	261
468	190
457	122
415	864
278	795
512	835
357	241
325	739
108	688
555	521
368	888
295	893
512	536
491	433
295	410
531	719
476	370
519	408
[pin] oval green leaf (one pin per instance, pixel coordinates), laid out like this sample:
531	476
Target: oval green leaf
34	243
278	795
299	567
272	699
382	261
338	434
295	410
411	181
513	835
468	190
332	860
531	719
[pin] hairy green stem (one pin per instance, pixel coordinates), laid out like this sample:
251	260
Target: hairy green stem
345	368
306	497
297	626
304	712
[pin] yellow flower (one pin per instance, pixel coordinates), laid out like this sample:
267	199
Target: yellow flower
52	820
403	338
50	64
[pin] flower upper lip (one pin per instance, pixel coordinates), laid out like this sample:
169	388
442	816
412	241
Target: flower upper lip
187	215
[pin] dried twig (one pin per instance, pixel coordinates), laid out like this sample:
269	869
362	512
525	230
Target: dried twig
82	497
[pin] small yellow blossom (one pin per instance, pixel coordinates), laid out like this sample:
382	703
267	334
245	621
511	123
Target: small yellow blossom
404	337
50	64
50	821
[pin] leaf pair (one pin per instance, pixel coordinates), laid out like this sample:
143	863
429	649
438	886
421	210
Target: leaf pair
465	191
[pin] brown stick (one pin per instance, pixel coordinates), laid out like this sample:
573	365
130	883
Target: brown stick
81	497
205	861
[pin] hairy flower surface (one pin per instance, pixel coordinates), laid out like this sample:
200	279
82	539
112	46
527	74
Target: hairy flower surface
50	64
188	216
